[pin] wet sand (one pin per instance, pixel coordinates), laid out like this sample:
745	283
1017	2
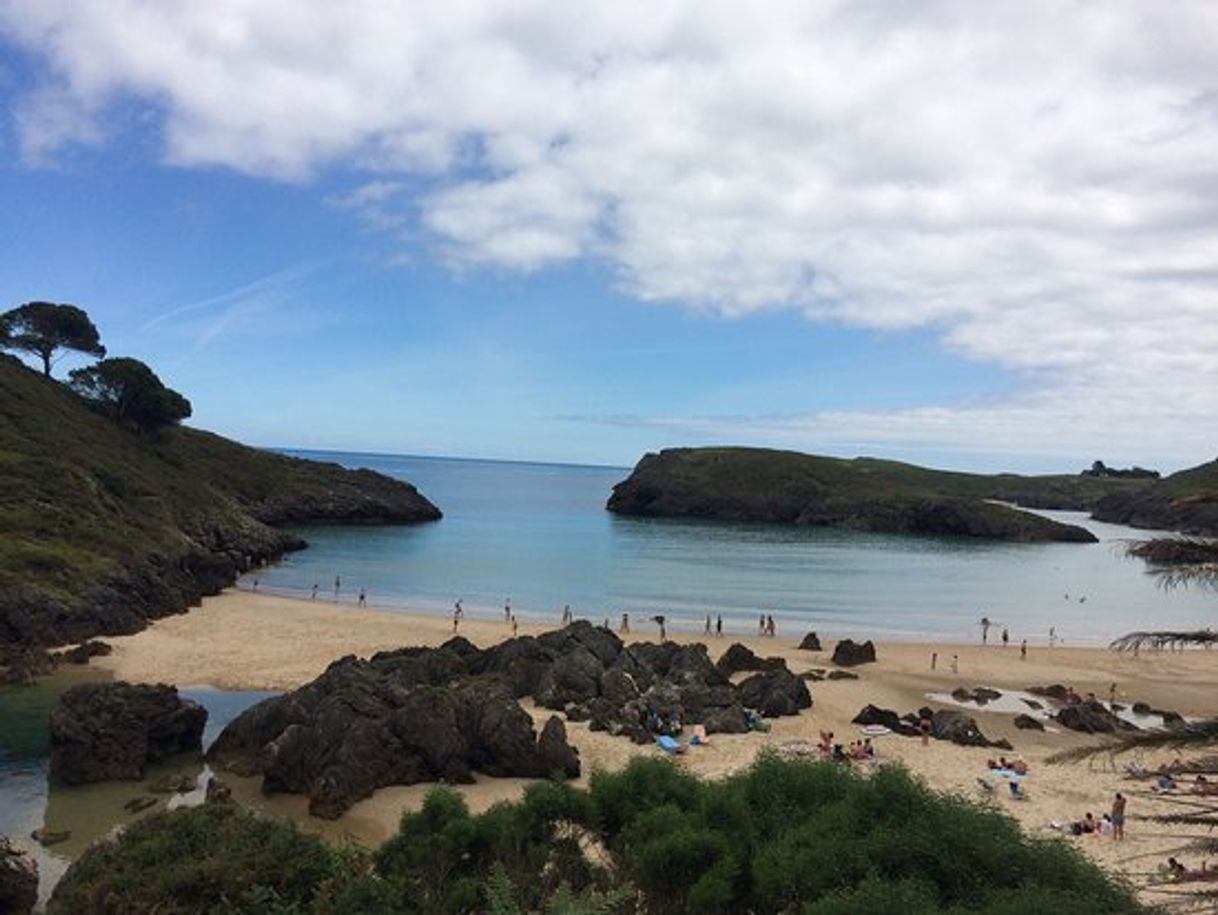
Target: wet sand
243	641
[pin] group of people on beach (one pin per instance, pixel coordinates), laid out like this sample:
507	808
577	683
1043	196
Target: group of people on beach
765	626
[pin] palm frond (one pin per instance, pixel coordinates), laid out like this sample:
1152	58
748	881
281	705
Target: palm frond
1193	734
1158	640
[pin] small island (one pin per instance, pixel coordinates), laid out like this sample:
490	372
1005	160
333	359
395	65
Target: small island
865	494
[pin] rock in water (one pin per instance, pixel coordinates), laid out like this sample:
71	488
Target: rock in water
1028	723
959	728
847	653
810	642
102	731
18	879
1092	718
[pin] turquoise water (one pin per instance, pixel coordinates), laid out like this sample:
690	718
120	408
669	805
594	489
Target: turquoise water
539	534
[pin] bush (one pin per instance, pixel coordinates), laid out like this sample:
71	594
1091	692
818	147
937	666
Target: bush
779	837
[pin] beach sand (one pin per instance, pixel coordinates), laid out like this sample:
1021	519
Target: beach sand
241	640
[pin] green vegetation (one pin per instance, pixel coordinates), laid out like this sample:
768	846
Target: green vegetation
782	836
1100	469
43	328
864	493
1186	501
131	394
102	529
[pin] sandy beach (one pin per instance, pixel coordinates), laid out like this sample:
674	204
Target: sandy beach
241	640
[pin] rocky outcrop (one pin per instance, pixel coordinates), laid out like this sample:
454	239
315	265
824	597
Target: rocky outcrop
1028	723
871	714
848	653
1186	501
18	879
85	652
810	642
755	484
431	714
982	695
959	728
1091	718
739	658
102	731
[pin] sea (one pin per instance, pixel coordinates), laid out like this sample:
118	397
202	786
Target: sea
537	537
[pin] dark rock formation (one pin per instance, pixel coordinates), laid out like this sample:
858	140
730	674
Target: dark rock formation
103	731
1028	723
775	692
871	714
85	652
1056	691
1033	704
363	725
841	675
848	653
982	695
218	792
959	728
810	642
18	879
1091	718
740	658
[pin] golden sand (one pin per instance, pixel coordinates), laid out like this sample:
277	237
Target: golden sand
243	640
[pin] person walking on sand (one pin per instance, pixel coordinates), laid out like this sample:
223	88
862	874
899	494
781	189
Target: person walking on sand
955	663
313	595
769	626
363	598
661	620
338	584
507	610
761	625
708	626
1023	650
625	627
934	659
1006	637
719	625
516	626
456	616
1052	636
985	629
1118	817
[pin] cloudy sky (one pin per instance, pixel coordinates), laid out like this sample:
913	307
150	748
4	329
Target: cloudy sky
979	235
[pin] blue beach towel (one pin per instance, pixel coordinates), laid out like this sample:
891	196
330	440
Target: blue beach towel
669	745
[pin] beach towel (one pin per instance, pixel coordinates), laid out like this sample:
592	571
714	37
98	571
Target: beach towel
1006	773
669	745
874	730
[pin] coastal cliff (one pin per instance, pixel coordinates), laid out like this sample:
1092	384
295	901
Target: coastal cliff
1186	501
756	484
104	529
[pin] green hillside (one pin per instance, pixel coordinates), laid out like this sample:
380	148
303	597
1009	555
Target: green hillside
756	484
1186	501
102	529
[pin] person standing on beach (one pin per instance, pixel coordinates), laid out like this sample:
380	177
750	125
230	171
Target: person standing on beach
507	610
924	727
761	625
1006	637
769	626
363	598
661	619
985	629
338	583
934	659
456	616
1023	650
516	627
708	629
719	625
313	596
1112	697
955	663
1118	817
625	627
1052	636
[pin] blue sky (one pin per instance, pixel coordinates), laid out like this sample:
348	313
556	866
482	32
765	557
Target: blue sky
559	261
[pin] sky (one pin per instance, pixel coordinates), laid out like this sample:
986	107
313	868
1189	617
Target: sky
971	235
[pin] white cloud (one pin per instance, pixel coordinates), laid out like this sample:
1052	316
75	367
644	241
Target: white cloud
1036	179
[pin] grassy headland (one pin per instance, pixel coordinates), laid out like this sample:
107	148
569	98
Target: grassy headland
757	484
102	529
1186	501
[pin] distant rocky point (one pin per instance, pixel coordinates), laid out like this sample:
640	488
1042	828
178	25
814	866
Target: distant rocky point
756	484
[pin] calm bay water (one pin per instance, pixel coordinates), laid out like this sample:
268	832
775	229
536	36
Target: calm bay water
539	534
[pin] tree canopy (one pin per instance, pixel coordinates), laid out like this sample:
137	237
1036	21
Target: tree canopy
130	393
42	328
